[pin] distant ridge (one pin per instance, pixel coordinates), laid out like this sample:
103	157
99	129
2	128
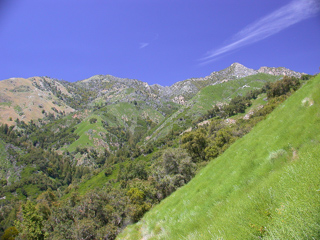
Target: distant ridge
36	97
234	71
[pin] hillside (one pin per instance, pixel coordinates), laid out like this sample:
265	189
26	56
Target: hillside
31	99
266	185
38	97
122	148
206	98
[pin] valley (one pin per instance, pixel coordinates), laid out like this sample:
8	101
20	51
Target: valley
91	157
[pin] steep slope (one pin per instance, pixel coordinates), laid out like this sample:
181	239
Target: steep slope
266	185
30	99
111	124
37	97
185	90
209	96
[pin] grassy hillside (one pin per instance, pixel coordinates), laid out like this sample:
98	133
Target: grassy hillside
89	134
209	96
266	185
127	116
223	92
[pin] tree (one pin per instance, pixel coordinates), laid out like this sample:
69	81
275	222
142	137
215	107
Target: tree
92	120
195	142
30	222
10	233
174	169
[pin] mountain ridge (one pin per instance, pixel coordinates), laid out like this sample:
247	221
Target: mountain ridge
59	96
123	140
263	187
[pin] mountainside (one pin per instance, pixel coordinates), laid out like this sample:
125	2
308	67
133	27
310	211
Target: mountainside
83	160
206	98
34	98
265	185
188	88
31	98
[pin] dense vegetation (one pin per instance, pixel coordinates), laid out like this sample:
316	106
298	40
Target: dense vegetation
49	195
265	186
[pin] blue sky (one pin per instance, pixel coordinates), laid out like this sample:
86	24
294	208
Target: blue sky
155	41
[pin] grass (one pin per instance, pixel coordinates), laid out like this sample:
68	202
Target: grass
256	103
97	181
87	132
124	114
3	154
266	185
18	109
209	96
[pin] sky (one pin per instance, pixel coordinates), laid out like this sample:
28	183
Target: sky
155	41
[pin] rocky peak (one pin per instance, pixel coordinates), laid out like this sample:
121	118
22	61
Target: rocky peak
280	71
239	71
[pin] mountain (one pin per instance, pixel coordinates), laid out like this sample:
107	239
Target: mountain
120	104
90	157
31	99
264	186
36	97
188	88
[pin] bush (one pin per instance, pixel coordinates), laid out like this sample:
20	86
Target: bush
93	120
108	172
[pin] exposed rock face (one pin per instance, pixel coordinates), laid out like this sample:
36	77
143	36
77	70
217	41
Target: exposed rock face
188	88
109	86
279	71
237	70
180	100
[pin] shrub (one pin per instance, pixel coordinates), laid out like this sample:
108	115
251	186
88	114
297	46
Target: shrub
93	120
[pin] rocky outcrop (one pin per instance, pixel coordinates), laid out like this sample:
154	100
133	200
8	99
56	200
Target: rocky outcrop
180	100
188	88
180	92
279	71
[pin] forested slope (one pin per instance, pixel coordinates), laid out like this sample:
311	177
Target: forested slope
88	174
266	185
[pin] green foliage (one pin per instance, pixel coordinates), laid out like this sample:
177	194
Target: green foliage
92	120
282	87
172	170
221	140
136	196
237	105
10	233
133	170
264	186
306	77
90	174
30	223
195	143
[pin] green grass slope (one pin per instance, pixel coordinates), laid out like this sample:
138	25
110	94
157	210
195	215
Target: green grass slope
207	97
124	115
88	133
266	185
223	92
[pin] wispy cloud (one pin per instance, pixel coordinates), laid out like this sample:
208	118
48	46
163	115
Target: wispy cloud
273	23
143	45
